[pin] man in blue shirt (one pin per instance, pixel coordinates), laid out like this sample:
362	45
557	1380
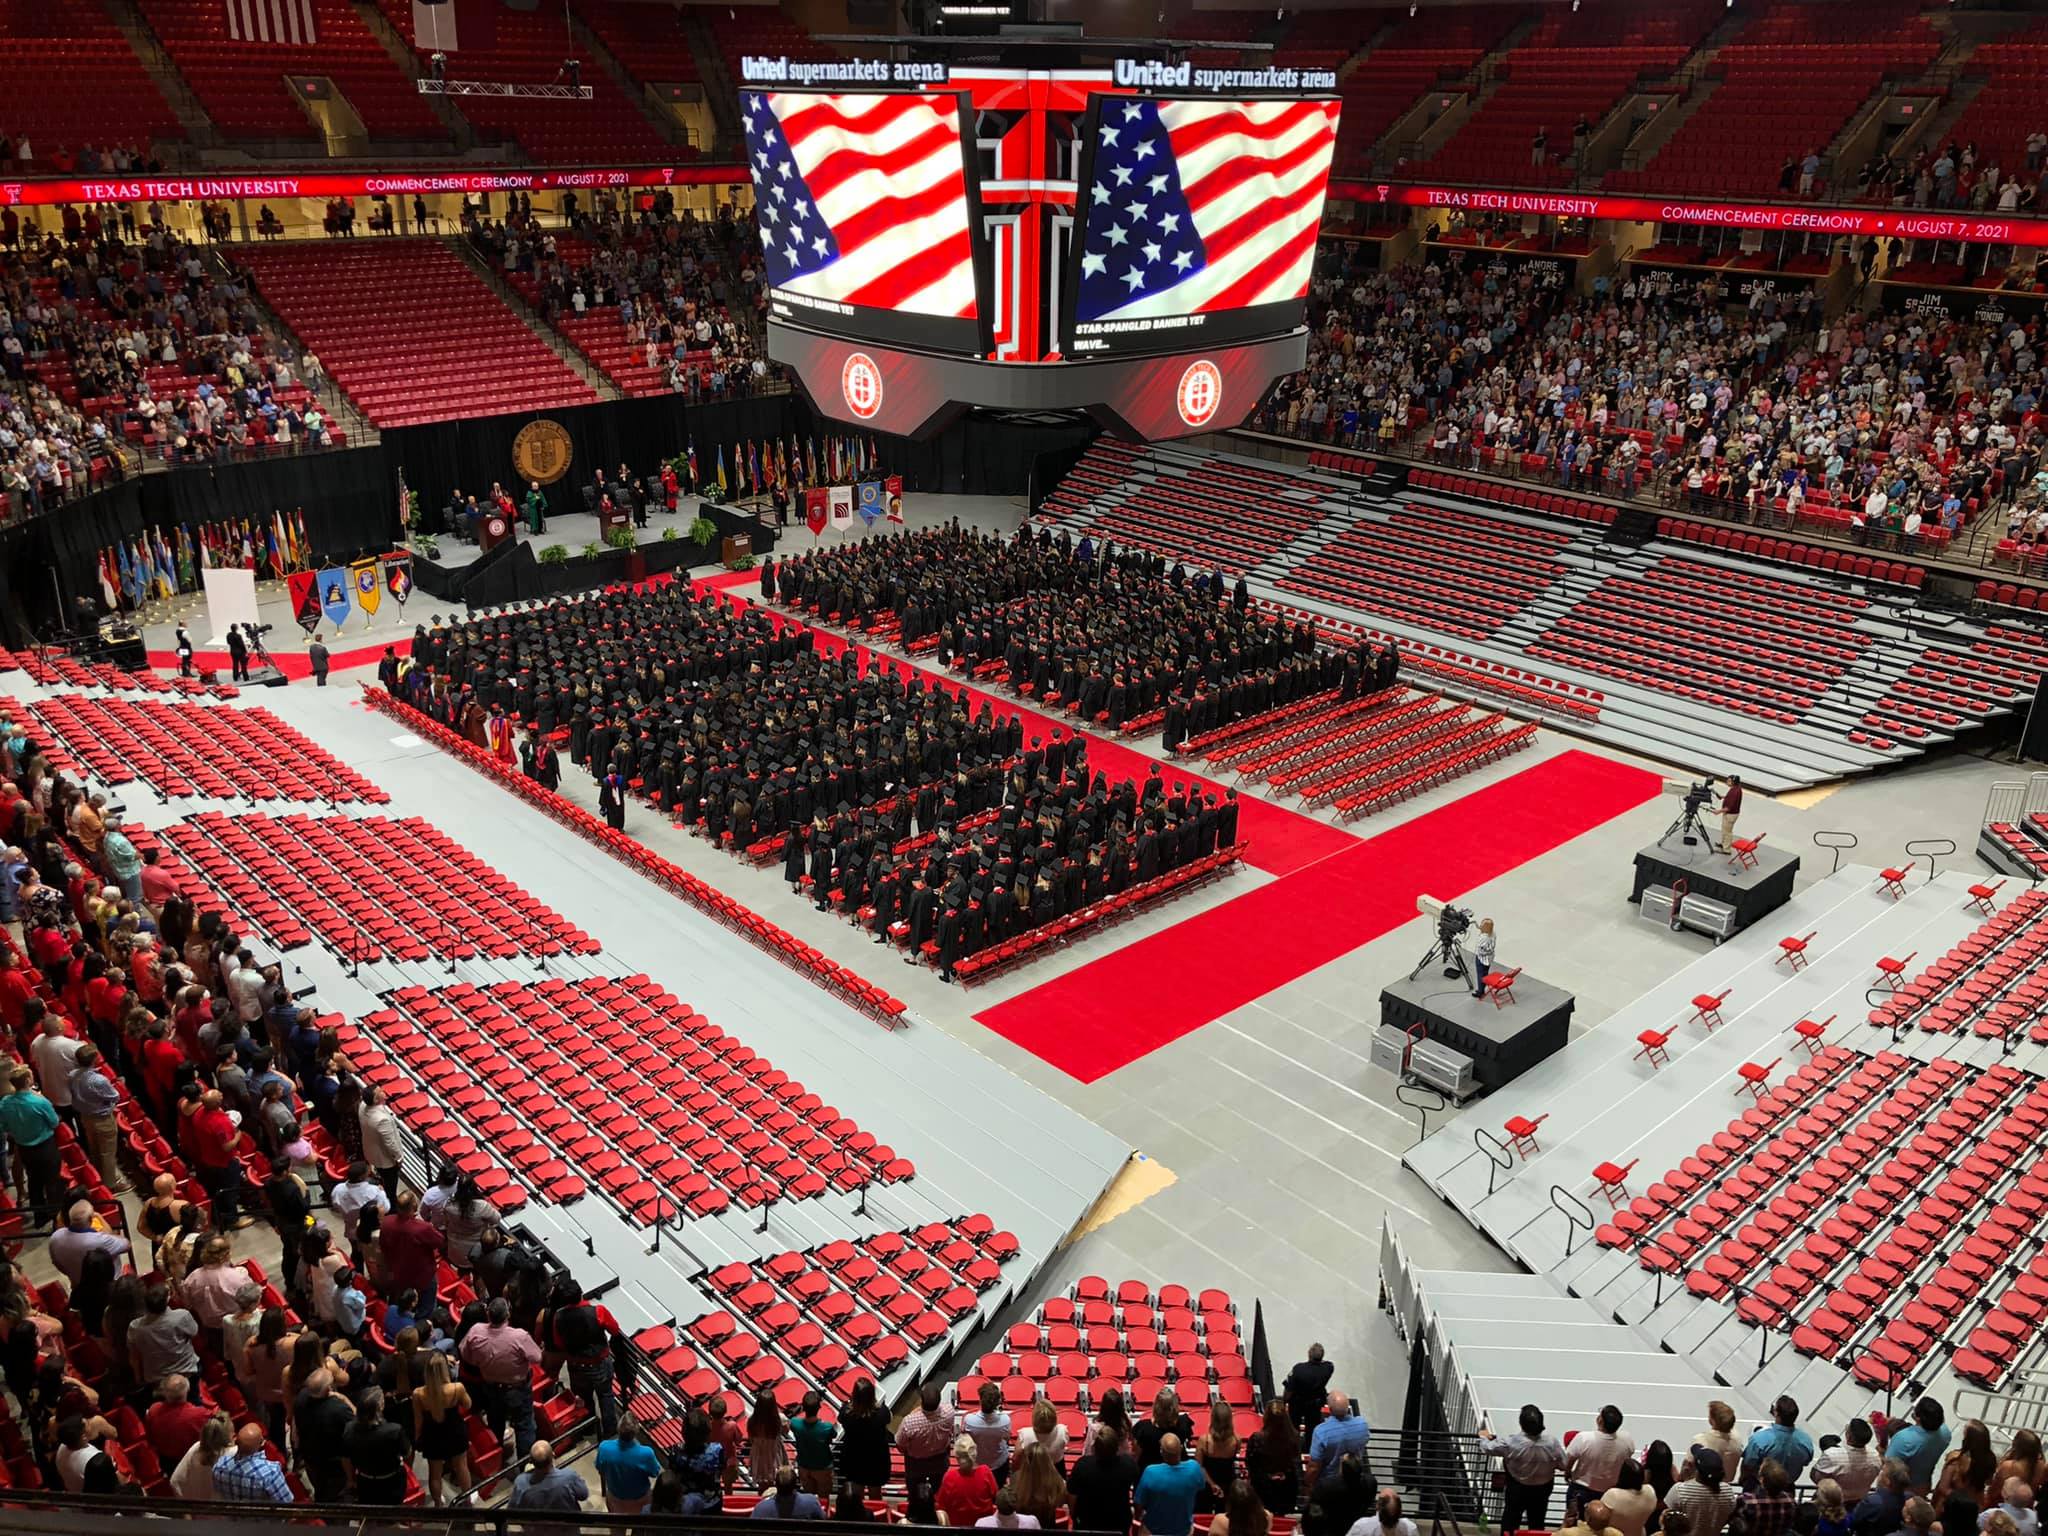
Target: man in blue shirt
249	1476
29	1121
1343	1433
1919	1445
1780	1441
1167	1490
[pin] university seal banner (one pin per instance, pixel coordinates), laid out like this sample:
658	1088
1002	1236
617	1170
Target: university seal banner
542	451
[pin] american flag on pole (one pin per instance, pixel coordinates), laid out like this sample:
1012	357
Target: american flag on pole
272	21
1197	206
863	199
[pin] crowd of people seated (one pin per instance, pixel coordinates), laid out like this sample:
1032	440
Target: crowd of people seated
681	285
1659	385
108	342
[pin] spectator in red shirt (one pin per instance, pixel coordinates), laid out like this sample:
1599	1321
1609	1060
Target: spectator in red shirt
16	988
213	1147
581	1333
162	1059
159	881
193	1011
174	1421
146	971
412	1248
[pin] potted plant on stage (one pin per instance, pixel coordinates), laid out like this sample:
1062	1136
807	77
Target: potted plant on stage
625	540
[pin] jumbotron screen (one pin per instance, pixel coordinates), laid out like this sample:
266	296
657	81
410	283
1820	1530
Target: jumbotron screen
867	215
1200	222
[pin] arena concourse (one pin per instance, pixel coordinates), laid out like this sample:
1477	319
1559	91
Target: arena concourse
1302	798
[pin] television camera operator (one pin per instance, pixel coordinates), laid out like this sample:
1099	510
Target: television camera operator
1731	807
1481	945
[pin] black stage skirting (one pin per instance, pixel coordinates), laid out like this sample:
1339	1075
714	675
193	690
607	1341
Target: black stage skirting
1503	1042
1753	893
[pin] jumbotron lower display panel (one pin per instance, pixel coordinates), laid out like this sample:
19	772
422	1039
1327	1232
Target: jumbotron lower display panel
888	389
867	215
1197	221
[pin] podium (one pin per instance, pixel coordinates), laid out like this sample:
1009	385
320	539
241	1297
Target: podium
735	548
492	529
609	518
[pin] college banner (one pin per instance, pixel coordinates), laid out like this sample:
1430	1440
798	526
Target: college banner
334	599
304	588
868	501
369	589
892	488
842	505
398	578
814	510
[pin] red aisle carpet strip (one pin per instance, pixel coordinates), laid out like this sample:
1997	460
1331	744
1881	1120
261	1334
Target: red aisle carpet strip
1122	1007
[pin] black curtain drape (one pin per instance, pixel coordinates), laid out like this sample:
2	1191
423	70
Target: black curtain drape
982	454
350	506
468	455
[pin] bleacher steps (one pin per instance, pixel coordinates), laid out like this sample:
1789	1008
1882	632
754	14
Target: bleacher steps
163	72
571	356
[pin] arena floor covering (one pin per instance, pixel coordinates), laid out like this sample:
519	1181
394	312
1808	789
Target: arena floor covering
1270	1150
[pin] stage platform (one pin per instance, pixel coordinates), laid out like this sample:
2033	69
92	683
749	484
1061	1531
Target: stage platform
1503	1042
982	1140
1602	1101
1754	892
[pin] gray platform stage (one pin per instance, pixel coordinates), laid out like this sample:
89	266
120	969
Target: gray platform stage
1503	1041
1753	890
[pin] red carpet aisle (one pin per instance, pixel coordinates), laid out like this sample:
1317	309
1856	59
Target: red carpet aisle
1091	1021
290	658
1282	841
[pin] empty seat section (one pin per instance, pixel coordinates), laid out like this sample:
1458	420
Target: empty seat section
72	80
243	84
1837	52
410	332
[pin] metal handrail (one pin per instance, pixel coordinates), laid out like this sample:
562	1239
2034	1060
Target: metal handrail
1422	1110
1582	1217
1929	848
1838	848
1499	1159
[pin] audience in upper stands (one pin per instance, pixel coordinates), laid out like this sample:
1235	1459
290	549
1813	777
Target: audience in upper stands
1656	386
690	293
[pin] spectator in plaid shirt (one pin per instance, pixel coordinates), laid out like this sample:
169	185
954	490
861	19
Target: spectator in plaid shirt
1767	1508
249	1476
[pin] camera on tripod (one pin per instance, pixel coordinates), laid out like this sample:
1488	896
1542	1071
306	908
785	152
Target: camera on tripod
1451	924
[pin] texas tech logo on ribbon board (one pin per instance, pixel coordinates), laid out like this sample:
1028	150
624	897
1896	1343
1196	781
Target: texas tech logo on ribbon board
860	381
1200	393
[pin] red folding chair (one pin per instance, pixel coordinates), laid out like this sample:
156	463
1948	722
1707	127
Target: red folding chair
1706	1009
1811	1031
1500	985
1743	850
1893	881
1792	951
1754	1077
1982	897
1653	1042
1522	1134
1613	1180
1890	970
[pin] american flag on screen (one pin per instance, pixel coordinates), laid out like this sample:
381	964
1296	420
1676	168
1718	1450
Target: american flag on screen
863	199
1203	205
271	21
